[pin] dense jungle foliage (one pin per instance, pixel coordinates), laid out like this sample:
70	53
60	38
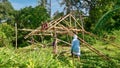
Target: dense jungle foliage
101	17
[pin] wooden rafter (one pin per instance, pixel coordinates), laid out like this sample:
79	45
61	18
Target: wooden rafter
58	22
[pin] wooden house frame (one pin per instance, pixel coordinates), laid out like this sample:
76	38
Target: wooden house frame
64	25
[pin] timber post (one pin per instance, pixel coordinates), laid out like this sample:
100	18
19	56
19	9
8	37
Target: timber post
16	35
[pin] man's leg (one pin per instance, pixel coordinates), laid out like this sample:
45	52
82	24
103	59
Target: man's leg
78	58
72	56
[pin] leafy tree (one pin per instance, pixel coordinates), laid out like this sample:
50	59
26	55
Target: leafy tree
6	34
100	7
78	5
30	18
6	11
102	21
2	39
58	14
109	20
94	9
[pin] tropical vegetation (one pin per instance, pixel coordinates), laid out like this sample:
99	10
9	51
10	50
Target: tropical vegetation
101	18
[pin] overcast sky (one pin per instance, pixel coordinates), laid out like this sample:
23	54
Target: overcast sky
18	4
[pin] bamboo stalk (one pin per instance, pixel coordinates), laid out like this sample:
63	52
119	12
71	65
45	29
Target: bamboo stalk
63	41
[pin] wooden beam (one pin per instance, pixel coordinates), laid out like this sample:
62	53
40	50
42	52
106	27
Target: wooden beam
63	41
83	30
32	32
50	23
53	22
58	21
76	21
82	26
55	42
70	20
44	34
66	22
94	50
66	29
27	29
16	34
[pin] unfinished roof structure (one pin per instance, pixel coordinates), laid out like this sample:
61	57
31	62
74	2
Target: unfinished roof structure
64	25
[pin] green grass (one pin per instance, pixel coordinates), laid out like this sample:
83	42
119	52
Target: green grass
43	58
37	57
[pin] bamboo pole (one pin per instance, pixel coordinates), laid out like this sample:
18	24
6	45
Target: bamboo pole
67	23
58	21
76	21
16	34
70	20
57	28
66	29
55	42
44	34
94	50
27	30
32	32
83	31
82	26
54	21
63	41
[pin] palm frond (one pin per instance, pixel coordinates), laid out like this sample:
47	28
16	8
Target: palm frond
101	22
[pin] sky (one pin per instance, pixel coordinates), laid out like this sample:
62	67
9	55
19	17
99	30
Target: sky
18	4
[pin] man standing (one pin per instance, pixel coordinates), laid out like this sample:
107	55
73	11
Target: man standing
75	48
